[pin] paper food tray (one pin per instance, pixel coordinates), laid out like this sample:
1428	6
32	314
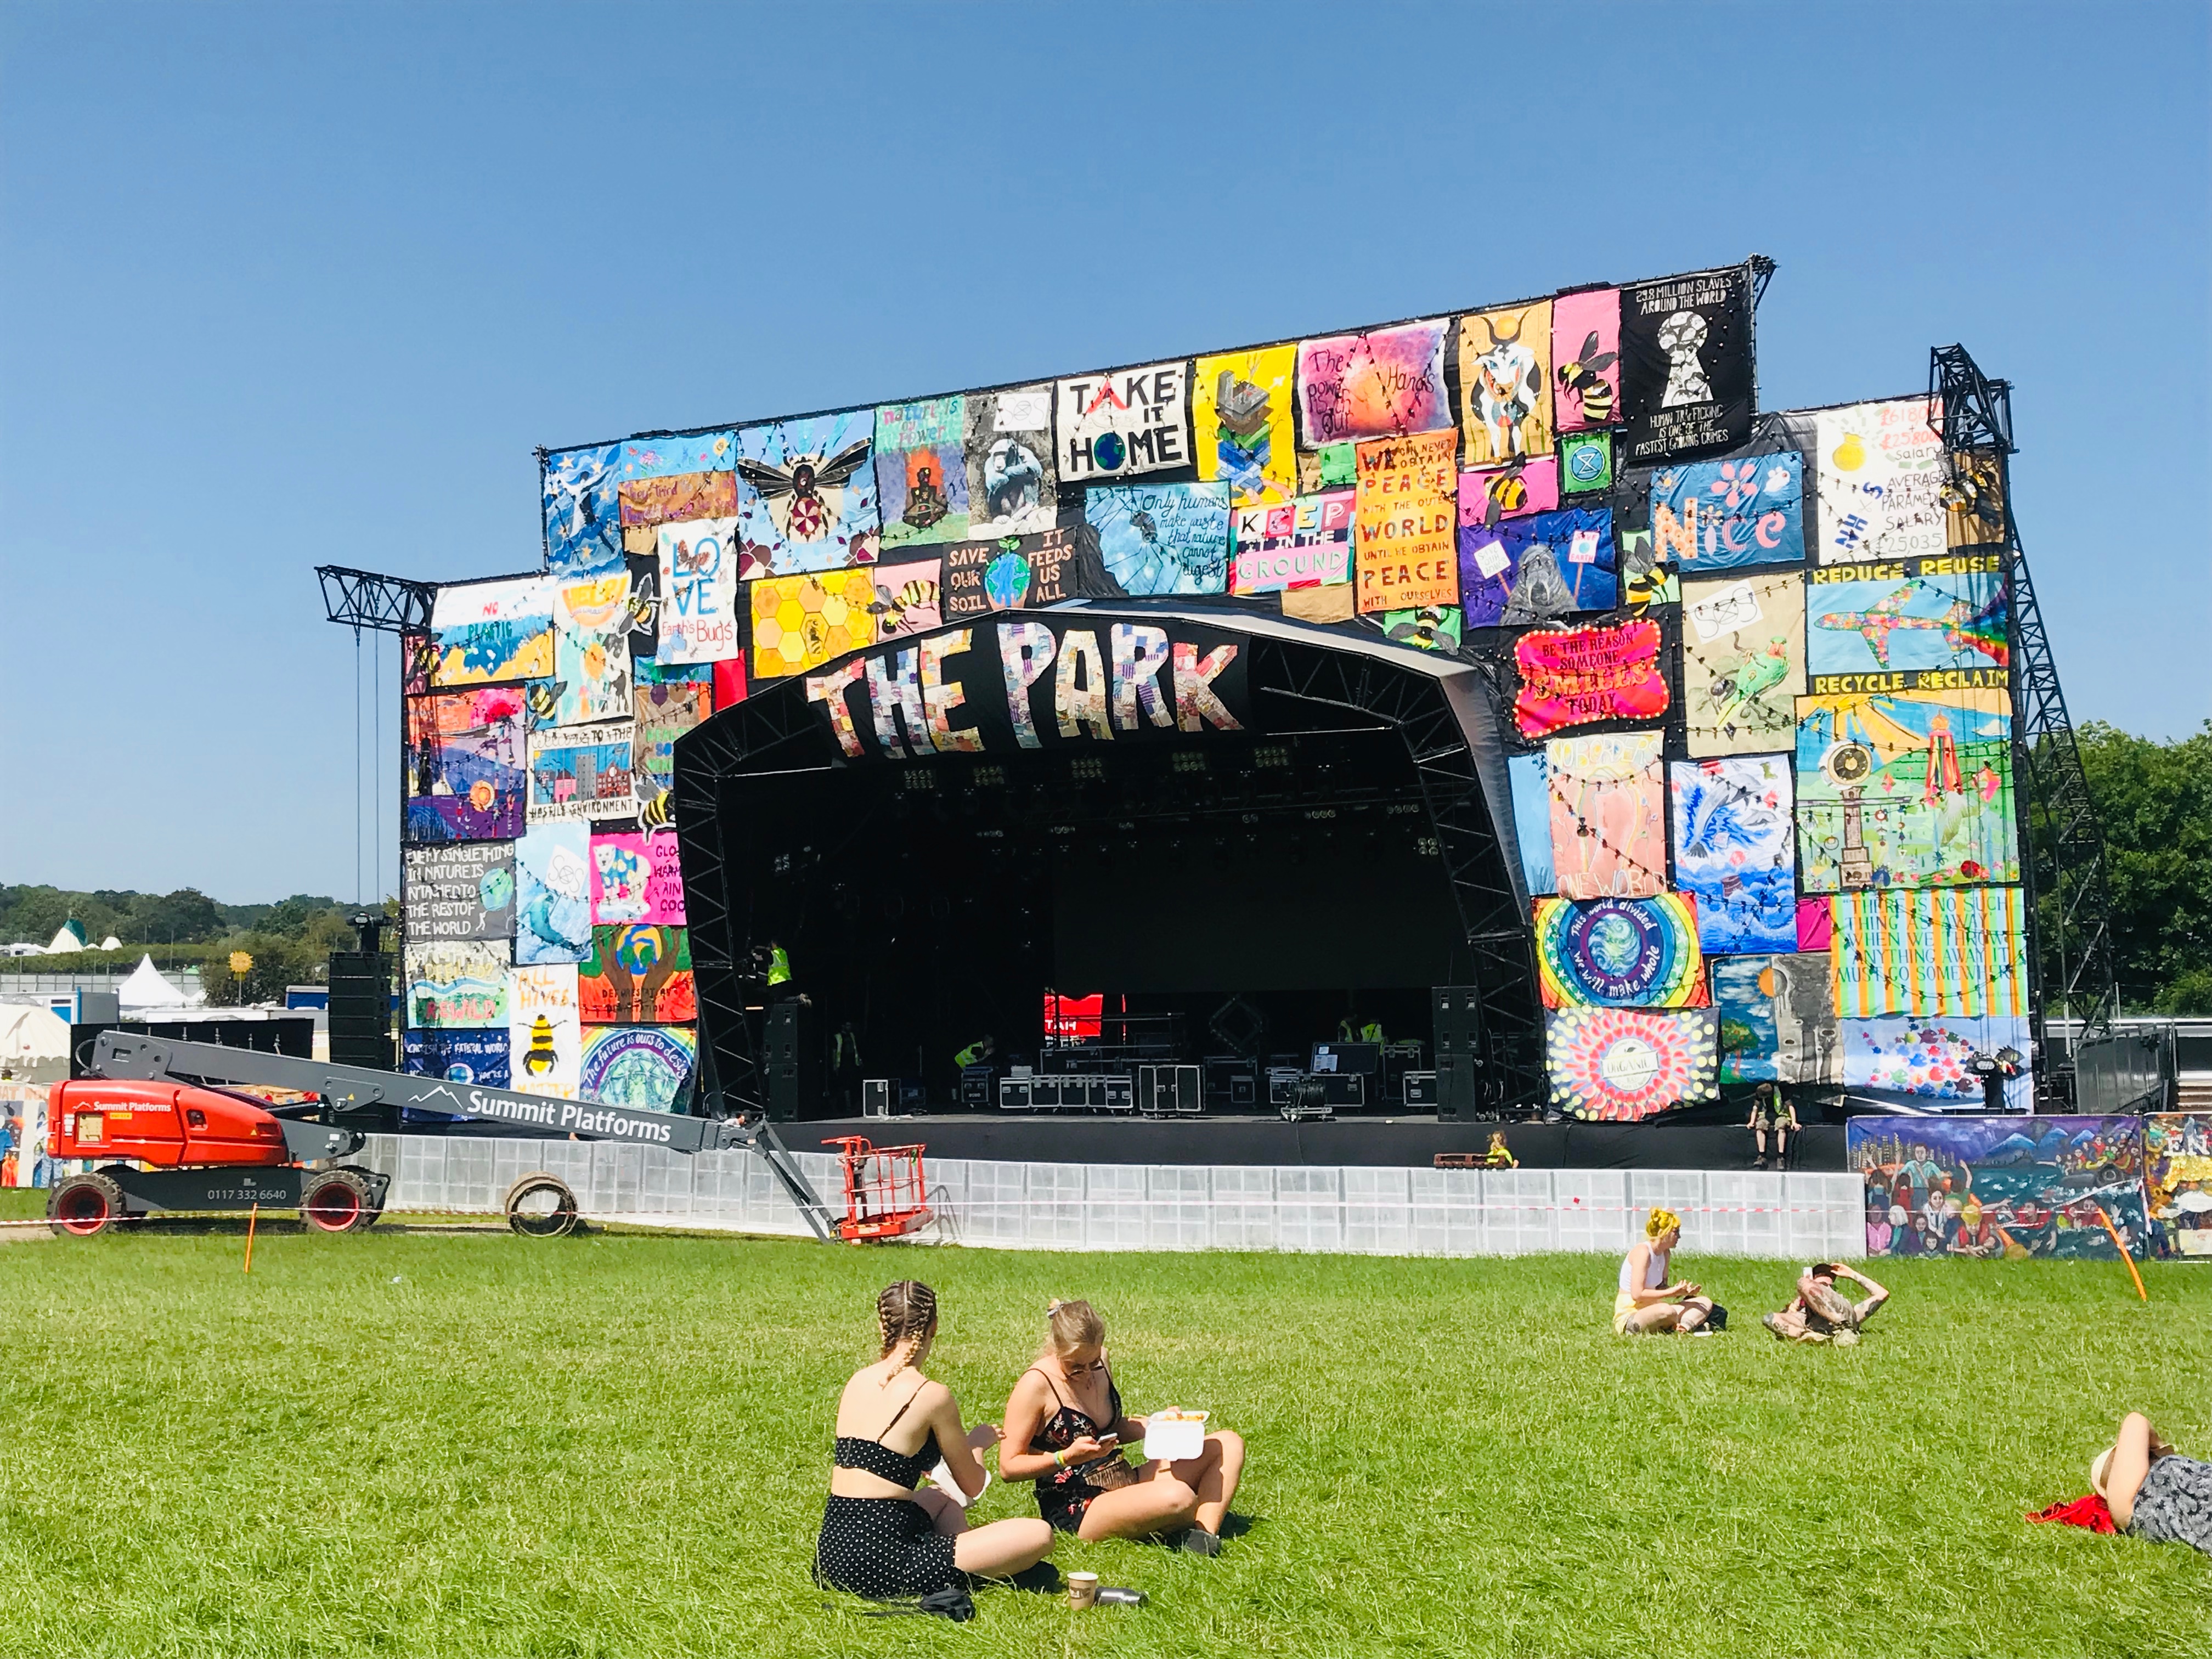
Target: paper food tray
1173	1440
941	1478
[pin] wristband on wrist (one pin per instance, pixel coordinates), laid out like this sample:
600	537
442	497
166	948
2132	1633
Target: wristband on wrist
1060	1460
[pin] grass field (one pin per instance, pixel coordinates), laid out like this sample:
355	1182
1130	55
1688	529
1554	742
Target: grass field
412	1444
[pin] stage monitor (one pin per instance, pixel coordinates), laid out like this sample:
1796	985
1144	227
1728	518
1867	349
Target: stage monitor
1357	1058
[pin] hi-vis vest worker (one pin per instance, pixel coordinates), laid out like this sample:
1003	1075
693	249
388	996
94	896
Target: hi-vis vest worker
779	965
973	1054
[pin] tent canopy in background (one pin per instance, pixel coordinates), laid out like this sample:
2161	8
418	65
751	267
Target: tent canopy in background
146	988
33	1043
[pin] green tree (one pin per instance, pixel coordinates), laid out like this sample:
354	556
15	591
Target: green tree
2155	801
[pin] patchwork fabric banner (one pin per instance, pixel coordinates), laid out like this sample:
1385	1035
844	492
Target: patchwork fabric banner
583	511
910	596
1381	384
1619	953
636	877
1538	569
1686	364
1118	425
1021	573
1404	522
1778	1018
1743	662
2177	1180
579	773
1618	1064
1879	472
679	497
1934	1058
545	1036
2002	1188
1908	624
553	899
1585	463
1242	411
1913	790
673	455
1505	382
1163	539
1586	360
802	622
459	890
1532	819
640	1068
1733	851
482	632
698	566
1608	815
1512	492
478	1057
806	497
1718	515
664	712
591	648
1434	627
1959	952
638	975
921	471
464	753
457	983
1332	466
1013	486
1576	675
1305	543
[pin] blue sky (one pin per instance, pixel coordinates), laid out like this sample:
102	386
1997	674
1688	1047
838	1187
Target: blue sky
291	285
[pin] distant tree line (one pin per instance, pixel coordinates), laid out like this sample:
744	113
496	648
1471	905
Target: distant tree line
290	941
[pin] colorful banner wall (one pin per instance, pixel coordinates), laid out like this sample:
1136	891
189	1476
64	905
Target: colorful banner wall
1505	383
1733	852
1608	815
2001	1188
1618	1064
1956	951
1243	414
1879	468
544	1034
461	983
1578	675
641	1067
483	632
2177	1150
1619	953
464	766
1940	624
1908	790
1163	539
1743	662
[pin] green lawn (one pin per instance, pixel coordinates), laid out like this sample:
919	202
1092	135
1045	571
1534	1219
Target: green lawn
410	1444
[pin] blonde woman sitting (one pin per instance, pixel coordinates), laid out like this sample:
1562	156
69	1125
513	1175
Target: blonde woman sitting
1646	1302
1066	1411
880	1537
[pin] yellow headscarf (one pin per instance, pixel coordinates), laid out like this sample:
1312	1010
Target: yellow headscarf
1659	1221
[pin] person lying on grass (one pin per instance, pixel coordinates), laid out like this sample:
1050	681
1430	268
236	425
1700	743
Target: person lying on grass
1066	1411
1822	1313
2152	1490
1646	1302
880	1537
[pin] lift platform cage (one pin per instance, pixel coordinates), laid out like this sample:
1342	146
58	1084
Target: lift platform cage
885	1190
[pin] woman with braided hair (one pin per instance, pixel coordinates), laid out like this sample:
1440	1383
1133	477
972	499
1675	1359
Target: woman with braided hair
1646	1302
880	1537
1068	1412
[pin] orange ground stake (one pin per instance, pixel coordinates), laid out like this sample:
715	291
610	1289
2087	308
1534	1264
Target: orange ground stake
2123	1249
254	1215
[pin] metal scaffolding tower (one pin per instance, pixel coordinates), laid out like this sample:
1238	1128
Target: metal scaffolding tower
2062	839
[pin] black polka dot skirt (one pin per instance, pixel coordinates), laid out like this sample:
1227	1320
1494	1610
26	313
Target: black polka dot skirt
882	1547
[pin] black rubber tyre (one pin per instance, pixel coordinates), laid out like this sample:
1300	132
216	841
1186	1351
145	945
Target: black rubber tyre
84	1204
335	1201
540	1206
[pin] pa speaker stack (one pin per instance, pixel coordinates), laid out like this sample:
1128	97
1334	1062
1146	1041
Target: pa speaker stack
360	1009
1457	1010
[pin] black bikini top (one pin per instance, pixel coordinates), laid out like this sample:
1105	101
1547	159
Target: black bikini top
1069	1425
873	1457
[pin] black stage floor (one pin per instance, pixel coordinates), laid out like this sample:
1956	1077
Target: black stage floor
1401	1141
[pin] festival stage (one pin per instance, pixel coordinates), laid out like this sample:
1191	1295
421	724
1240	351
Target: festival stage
1390	1142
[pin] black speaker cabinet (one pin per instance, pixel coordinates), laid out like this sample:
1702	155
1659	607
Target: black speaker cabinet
793	1062
361	1009
1457	1010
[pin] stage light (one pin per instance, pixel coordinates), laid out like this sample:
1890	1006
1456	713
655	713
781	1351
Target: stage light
990	777
1274	755
1087	769
1189	760
917	777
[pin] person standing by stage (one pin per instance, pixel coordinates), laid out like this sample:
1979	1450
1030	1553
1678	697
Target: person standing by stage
845	1066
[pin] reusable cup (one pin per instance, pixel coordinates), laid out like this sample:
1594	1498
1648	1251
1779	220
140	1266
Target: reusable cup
1082	1590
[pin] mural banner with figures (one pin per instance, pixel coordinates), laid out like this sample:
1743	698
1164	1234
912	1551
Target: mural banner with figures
2001	1188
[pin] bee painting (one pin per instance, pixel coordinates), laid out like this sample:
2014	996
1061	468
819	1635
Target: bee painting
908	608
1585	377
1434	628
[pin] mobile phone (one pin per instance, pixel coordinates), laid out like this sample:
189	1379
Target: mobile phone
1113	1438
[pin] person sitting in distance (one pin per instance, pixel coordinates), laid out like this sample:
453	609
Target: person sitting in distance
1822	1313
1771	1109
1646	1302
2152	1490
880	1537
1500	1156
1066	1410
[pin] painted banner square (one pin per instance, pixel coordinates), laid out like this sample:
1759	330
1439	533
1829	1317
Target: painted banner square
1242	410
552	896
642	1068
456	983
1385	383
1619	953
1734	850
1879	475
1686	364
581	773
591	649
1129	422
1743	662
544	1034
1586	360
802	622
1911	790
1505	383
1013	485
921	471
638	975
1404	522
1959	952
806	496
458	890
583	510
1718	515
1163	539
464	765
1908	624
1618	1065
486	632
1577	675
1608	815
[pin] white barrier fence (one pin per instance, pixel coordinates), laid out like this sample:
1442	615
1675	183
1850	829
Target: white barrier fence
1169	1207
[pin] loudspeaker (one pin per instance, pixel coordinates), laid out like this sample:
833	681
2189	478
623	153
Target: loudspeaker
794	1072
1457	1012
361	1009
875	1097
